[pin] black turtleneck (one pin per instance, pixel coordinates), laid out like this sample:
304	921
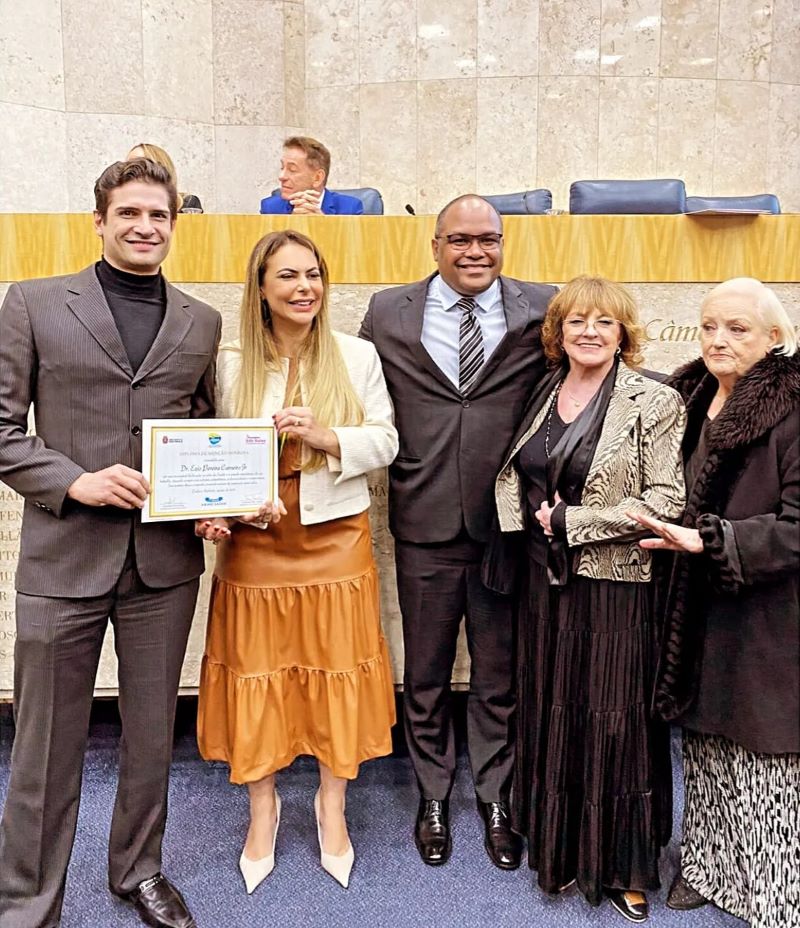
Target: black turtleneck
137	303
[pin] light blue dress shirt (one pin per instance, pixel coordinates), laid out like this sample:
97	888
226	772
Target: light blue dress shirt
442	320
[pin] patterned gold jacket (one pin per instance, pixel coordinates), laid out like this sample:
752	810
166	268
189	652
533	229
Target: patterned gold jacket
637	467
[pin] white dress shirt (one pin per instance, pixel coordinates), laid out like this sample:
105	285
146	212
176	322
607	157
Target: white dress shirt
442	320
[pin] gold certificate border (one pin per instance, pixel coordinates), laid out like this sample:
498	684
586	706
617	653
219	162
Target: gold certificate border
176	515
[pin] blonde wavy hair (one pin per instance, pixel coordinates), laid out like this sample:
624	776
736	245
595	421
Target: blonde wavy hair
583	295
323	381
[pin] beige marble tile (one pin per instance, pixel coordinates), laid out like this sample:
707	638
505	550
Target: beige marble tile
387	41
628	127
446	142
95	141
689	33
686	132
248	62
389	112
630	36
103	81
31	60
741	133
33	143
784	145
785	59
508	38
569	37
745	40
567	133
447	40
246	166
332	116
178	59
331	43
506	137
294	63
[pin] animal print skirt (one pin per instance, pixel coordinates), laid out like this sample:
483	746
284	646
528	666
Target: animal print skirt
741	829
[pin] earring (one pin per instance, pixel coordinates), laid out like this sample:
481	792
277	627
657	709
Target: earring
618	352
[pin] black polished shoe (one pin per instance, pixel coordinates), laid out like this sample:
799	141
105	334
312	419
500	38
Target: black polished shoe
159	904
432	832
683	897
503	845
633	911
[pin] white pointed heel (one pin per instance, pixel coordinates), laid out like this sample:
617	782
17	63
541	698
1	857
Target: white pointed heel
256	871
339	866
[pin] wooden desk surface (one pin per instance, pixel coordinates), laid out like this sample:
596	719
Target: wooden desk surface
396	249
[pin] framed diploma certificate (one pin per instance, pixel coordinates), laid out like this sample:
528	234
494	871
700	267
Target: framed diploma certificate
201	468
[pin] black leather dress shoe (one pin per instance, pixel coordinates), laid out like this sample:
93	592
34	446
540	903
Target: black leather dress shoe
159	904
682	896
432	832
633	911
503	845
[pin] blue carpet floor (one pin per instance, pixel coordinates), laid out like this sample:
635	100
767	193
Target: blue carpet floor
389	888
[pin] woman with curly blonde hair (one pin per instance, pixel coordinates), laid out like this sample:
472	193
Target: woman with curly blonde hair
592	783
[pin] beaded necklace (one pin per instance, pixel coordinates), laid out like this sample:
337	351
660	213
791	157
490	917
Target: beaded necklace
553	403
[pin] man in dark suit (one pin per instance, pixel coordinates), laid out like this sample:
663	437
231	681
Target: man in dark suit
305	166
95	353
460	352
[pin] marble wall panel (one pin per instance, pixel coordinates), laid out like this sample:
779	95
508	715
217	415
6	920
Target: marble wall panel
446	140
103	56
785	60
294	59
506	137
741	132
34	173
332	47
447	40
248	62
332	115
95	141
689	33
628	129
178	60
508	38
567	139
745	39
630	36
388	41
783	145
31	60
246	166
388	126
686	132
569	37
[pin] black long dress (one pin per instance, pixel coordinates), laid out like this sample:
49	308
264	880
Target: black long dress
592	780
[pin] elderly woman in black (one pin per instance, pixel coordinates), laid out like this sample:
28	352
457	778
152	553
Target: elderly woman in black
592	780
730	666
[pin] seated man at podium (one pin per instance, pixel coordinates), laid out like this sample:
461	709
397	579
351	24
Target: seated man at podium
305	166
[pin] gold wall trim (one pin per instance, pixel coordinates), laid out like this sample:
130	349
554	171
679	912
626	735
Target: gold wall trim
396	249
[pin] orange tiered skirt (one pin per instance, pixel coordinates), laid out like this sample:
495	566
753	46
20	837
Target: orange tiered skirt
295	659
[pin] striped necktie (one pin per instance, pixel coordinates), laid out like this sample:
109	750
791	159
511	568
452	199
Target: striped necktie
470	345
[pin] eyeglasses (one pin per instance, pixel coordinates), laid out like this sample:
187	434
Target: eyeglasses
489	241
577	325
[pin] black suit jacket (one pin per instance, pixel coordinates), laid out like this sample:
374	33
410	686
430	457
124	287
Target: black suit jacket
452	446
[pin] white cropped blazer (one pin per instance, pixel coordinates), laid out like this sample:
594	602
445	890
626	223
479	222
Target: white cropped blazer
340	489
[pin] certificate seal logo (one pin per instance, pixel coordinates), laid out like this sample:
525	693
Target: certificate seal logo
214	438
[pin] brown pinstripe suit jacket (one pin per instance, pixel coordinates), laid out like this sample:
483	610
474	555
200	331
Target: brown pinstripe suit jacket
60	352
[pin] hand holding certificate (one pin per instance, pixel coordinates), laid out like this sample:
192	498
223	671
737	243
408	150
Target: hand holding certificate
202	468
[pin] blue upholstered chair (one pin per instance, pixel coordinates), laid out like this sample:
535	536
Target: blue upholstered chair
627	196
529	202
369	196
761	202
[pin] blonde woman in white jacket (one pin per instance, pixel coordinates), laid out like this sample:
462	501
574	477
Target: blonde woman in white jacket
295	660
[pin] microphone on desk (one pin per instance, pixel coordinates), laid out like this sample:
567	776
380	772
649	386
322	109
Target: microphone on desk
410	210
